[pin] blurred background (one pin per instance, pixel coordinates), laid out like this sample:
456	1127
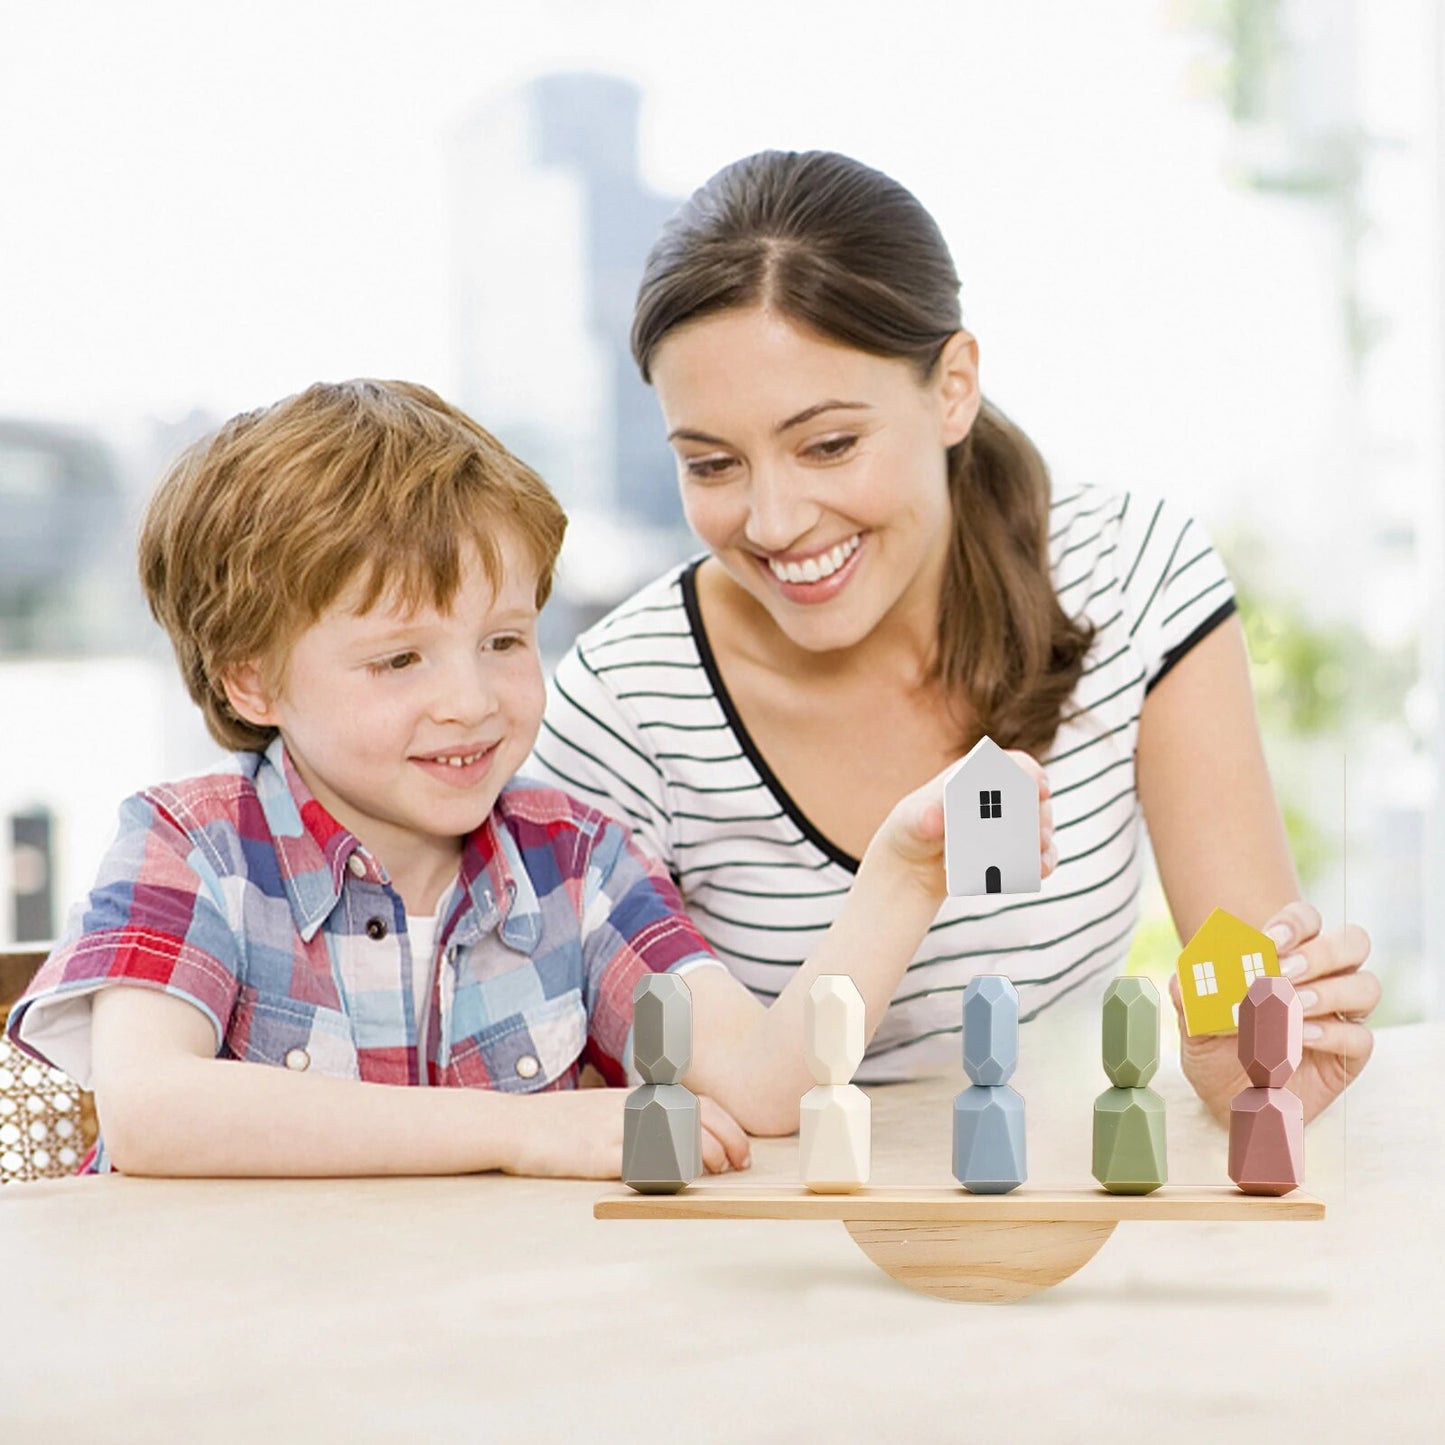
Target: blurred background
1201	245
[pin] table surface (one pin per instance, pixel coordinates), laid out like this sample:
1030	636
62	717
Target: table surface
487	1308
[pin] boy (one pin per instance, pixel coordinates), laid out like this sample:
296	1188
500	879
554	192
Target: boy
369	900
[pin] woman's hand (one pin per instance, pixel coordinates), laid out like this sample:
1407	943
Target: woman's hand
913	832
1337	993
577	1134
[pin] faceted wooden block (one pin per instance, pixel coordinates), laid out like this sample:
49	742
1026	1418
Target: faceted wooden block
990	1029
1271	1032
988	1139
834	1138
661	1028
661	1138
1266	1140
1131	1032
833	1028
1129	1149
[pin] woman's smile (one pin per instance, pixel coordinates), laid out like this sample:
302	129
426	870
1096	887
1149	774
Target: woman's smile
818	576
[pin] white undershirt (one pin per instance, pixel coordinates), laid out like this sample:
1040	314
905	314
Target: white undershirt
421	933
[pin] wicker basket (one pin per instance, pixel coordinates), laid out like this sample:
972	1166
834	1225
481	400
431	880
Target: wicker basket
47	1125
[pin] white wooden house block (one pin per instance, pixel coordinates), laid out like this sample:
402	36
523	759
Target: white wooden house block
991	824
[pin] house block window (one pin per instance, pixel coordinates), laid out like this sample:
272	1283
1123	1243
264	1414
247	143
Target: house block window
1253	967
990	803
1204	979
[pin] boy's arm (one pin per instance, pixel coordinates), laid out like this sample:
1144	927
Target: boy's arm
749	1056
167	1106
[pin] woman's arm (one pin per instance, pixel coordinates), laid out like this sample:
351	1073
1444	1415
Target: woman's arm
1219	842
750	1057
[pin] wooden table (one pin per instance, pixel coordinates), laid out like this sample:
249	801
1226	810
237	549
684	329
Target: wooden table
499	1309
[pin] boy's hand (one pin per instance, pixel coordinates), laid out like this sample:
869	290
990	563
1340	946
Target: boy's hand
913	831
577	1134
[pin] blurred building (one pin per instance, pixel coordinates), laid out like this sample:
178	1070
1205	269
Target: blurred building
61	508
93	707
552	225
1340	113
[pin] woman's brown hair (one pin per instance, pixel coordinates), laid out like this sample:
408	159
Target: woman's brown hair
849	253
256	530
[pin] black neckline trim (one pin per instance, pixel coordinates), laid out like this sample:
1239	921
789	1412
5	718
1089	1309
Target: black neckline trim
769	778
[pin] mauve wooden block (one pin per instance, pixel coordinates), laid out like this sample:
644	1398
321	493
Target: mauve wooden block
1267	1141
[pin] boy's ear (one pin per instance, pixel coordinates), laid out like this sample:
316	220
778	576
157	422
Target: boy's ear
957	380
248	694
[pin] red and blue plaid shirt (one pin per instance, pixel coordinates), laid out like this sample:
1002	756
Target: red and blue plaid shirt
239	893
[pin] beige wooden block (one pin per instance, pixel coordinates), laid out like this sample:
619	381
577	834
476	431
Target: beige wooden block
833	1028
834	1138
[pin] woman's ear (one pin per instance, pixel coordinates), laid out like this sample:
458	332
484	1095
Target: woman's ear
250	698
956	376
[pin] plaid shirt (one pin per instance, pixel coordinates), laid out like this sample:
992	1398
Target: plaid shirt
239	893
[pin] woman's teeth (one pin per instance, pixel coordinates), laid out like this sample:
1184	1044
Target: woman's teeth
815	569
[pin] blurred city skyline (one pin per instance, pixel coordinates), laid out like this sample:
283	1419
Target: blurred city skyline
215	211
1199	243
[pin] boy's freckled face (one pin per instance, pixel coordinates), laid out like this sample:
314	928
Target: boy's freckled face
406	725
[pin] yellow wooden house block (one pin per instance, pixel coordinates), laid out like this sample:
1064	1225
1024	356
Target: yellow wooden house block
1216	969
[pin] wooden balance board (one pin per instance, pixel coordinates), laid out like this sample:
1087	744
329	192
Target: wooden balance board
960	1246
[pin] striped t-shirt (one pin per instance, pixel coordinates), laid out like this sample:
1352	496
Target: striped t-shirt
639	721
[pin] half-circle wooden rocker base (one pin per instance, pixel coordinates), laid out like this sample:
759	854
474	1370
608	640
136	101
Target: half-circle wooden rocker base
989	1248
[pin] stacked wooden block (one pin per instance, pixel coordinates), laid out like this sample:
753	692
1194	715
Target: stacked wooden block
1129	1150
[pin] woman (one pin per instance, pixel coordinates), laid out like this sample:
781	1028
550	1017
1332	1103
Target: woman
888	578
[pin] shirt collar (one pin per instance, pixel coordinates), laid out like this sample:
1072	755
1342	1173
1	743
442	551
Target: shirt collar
316	854
313	850
497	887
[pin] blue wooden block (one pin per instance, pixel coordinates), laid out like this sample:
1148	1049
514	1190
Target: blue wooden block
988	1139
990	1029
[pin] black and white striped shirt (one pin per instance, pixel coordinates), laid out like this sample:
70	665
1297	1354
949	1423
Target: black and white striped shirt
638	721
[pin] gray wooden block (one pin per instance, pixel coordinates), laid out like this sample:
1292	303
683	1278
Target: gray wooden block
661	1139
661	1028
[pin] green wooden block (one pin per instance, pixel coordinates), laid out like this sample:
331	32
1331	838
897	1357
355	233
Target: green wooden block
1131	1032
1129	1153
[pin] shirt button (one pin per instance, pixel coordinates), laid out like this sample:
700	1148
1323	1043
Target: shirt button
356	866
527	1067
298	1059
376	929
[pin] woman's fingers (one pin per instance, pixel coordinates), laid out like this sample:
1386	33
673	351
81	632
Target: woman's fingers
1341	950
1295	924
1048	848
1032	765
1347	1040
1353	994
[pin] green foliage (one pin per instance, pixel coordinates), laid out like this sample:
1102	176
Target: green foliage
1154	950
1312	679
1247	47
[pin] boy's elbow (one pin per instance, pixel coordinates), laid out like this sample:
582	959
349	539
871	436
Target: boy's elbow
138	1137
